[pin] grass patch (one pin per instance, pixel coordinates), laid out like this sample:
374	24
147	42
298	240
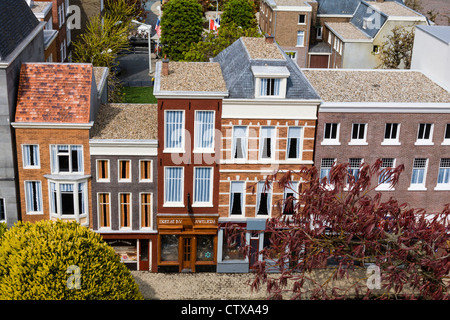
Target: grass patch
138	95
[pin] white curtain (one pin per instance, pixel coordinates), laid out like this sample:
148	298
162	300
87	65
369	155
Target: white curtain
202	184
264	87
174	129
294	137
237	187
81	197
79	150
276	87
204	129
53	197
173	184
239	142
54	158
263	190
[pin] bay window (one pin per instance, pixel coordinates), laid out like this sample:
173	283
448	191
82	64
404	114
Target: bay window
68	199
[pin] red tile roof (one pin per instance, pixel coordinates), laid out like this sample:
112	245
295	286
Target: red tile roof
54	92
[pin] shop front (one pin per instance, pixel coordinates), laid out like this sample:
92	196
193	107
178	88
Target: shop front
187	244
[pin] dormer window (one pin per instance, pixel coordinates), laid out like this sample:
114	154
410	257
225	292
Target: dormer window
270	87
270	82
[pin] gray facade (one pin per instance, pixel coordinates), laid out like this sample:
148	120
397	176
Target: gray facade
114	188
21	41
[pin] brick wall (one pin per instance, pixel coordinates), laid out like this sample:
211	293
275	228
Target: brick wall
251	173
44	138
432	200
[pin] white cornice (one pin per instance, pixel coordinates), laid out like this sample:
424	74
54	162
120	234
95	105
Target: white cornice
49	125
384	107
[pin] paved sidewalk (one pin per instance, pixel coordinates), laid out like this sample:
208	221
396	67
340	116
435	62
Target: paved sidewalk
197	286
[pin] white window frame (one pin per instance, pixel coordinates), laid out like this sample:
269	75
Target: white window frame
174	203
425	142
331	141
359	141
269	192
421	185
150	227
304	19
319	33
119	179
97	171
198	149
77	210
245	144
24	161
292	188
151	171
119	208
211	186
300	148
390	141
327	168
352	168
183	126
39	200
56	165
443	185
98	211
242	199
300	35
386	186
3	204
272	143
446	141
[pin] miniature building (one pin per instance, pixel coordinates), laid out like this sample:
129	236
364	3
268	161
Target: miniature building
21	40
268	123
189	123
56	107
399	116
123	149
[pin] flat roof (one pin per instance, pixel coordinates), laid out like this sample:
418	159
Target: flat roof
439	32
193	77
347	85
126	121
392	8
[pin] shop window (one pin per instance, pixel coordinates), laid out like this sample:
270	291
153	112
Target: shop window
205	248
232	250
169	247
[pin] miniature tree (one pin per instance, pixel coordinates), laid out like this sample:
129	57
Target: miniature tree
181	25
239	12
61	261
397	49
342	221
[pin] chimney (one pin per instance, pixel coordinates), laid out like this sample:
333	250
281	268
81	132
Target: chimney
269	38
165	66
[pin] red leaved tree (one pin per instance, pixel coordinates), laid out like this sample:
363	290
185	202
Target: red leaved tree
344	241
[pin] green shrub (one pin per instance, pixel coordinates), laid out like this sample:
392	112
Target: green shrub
61	261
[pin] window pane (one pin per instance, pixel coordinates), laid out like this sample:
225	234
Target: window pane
203	185
354	167
33	196
385	164
67	199
263	199
204	129
104	207
82	197
294	139
325	169
236	197
146	210
169	247
124	169
2	210
232	250
239	142
173	184
447	131
174	129
418	173
125	207
444	171
146	170
102	169
266	137
205	248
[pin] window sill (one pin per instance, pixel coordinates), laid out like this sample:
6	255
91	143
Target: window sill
417	188
384	188
391	143
203	151
35	213
442	187
173	205
201	205
330	143
174	151
32	167
446	143
423	143
357	143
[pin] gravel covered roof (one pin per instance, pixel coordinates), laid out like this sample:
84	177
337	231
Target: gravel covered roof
126	121
375	86
258	48
347	30
394	9
193	76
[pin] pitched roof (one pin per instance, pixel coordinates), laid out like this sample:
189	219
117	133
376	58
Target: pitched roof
237	60
54	92
17	21
375	86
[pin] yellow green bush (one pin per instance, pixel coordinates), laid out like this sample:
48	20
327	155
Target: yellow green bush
61	261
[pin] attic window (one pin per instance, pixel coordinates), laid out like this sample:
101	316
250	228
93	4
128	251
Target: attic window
270	81
270	87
